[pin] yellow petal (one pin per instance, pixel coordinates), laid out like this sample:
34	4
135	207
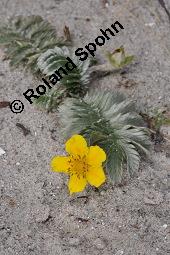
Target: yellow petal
76	184
96	176
96	156
77	145
60	164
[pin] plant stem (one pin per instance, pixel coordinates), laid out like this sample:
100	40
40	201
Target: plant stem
103	69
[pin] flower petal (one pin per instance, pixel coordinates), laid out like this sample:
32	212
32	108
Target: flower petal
60	164
77	145
96	176
96	156
76	184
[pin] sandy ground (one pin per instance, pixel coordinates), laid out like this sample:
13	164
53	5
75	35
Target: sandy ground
37	216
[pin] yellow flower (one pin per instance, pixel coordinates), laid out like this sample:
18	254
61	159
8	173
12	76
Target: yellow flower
83	164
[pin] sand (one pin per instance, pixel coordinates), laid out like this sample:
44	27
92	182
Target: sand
37	215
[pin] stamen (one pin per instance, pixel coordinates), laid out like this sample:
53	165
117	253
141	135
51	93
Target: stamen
78	166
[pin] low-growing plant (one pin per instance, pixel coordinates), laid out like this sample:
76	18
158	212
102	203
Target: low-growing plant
76	81
159	119
26	38
104	118
118	59
155	118
33	42
109	120
52	99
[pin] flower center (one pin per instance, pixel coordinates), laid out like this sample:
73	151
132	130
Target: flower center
78	166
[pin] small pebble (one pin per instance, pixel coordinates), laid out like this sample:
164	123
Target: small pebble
2	151
151	24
